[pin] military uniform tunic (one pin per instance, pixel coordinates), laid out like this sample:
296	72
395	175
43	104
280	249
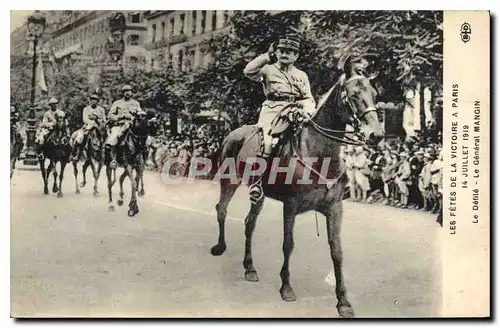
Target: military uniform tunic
119	108
280	87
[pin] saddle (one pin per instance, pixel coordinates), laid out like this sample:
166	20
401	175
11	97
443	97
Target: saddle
283	126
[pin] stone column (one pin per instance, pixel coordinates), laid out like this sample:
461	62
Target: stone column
208	21
198	22
220	18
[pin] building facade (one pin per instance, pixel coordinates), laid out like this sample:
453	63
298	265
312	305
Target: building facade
178	38
85	37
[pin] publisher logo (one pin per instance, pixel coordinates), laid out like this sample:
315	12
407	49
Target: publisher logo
465	32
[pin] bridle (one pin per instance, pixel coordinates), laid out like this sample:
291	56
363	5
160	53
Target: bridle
344	137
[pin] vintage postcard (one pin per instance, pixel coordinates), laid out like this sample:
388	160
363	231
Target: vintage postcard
250	164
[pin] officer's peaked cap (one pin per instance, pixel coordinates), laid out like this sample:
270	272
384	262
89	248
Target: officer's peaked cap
127	87
53	101
289	41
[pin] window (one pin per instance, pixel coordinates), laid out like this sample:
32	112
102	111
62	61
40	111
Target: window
183	19
134	60
133	40
162	30
203	20
226	16
193	27
192	58
171	26
154	33
134	17
214	20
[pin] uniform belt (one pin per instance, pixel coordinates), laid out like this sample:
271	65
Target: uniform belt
288	98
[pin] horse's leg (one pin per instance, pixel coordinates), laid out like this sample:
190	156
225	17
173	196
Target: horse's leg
75	172
85	166
133	207
94	174
140	179
61	177
250	221
55	188
111	206
44	176
96	181
227	191
333	225
289	211
121	194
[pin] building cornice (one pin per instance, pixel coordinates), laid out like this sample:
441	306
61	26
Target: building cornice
150	15
80	21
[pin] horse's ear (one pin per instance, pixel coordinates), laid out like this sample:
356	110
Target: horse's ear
347	67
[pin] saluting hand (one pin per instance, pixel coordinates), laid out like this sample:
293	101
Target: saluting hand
271	52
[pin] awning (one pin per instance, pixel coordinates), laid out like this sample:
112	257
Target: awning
69	50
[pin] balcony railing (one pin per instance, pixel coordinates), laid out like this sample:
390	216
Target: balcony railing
166	42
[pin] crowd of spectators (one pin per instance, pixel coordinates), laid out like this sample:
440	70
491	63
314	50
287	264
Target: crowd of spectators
401	174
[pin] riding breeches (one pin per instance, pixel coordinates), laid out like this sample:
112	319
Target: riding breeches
80	134
266	117
41	135
115	133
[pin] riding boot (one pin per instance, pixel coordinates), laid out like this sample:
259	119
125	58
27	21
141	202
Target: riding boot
255	191
75	154
111	152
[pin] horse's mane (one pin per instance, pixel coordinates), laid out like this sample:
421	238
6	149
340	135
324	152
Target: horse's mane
332	100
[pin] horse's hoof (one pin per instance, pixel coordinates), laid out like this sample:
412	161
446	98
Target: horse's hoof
111	208
141	193
131	212
251	276
119	202
59	195
96	193
55	189
345	311
46	192
287	294
77	191
82	184
218	250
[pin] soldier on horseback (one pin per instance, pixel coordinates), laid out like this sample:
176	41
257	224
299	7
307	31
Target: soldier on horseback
94	117
120	115
49	122
285	86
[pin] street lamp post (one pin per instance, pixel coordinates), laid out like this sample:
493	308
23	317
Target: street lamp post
36	27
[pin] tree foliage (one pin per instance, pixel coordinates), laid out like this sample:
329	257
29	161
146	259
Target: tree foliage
403	47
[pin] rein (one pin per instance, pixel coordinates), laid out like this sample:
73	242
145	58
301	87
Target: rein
330	133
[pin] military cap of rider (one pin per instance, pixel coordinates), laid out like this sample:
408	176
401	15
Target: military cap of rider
53	101
126	87
94	96
289	41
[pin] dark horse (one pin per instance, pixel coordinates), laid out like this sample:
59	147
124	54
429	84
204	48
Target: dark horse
92	156
351	98
16	145
130	156
57	149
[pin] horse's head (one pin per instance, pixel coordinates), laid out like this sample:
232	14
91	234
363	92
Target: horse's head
358	96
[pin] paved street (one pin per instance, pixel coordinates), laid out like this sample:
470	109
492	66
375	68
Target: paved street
71	257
